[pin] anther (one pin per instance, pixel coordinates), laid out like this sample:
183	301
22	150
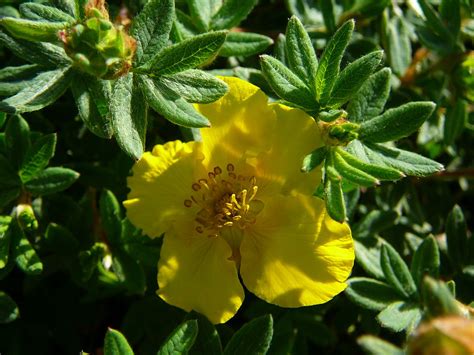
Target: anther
196	186
203	182
232	175
199	229
230	167
217	170
188	203
229	224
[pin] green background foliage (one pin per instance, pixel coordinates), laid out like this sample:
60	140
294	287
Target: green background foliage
389	82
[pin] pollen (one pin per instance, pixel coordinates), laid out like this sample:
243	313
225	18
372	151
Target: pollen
224	199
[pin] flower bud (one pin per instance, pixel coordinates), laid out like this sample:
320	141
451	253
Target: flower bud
449	335
98	47
26	217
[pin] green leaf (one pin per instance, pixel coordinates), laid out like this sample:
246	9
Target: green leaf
14	79
33	30
396	123
202	12
244	44
23	252
455	121
407	162
352	173
376	346
40	12
46	88
151	28
370	294
397	272
68	6
46	54
328	68
456	237
314	159
327	9
188	54
129	272
181	340
352	78
368	256
450	12
38	156
398	45
400	316
184	27
207	341
373	223
196	86
426	260
334	200
438	299
111	216
3	118
8	309
286	84
231	14
279	50
5	240
435	23
378	171
371	97
129	116
253	338
51	180
369	7
60	240
17	140
116	344
171	105
300	53
86	103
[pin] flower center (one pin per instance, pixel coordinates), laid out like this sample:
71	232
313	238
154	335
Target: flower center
224	200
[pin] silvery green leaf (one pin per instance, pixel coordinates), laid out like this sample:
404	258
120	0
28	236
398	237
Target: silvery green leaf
231	13
370	294
202	11
330	60
244	44
300	53
196	86
400	316
40	12
151	28
188	54
169	104
455	121
398	45
286	84
396	123
43	90
33	30
370	100
352	78
128	111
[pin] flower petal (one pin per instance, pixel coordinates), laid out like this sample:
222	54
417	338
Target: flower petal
195	273
296	255
296	134
160	183
240	121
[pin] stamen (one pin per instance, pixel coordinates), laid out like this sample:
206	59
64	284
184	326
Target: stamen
229	224
196	186
234	200
188	203
217	170
230	167
203	182
199	229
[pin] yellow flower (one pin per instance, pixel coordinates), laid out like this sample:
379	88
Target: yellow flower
237	203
